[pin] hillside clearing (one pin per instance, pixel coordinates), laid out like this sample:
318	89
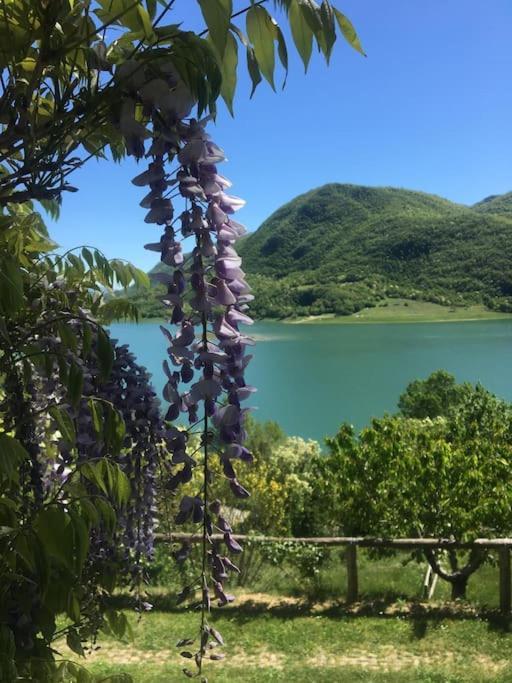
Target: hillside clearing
407	311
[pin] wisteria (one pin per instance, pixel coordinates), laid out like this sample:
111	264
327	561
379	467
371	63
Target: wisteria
207	297
37	408
129	392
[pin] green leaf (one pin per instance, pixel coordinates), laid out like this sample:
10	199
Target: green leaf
253	68
67	336
81	537
329	28
301	32
217	15
140	278
105	354
75	384
348	31
64	423
146	22
122	487
261	33
282	51
89	512
311	13
88	257
74	643
52	206
28	64
96	414
11	286
108	517
229	67
117	623
73	607
241	36
25	550
12	455
115	429
95	473
55	531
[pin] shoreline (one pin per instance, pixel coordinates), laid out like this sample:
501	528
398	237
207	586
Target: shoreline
351	320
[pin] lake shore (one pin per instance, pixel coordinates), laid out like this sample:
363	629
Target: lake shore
404	311
396	312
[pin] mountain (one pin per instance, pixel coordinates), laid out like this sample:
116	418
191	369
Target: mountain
496	203
340	248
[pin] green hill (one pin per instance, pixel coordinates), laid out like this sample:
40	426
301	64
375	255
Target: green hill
496	203
341	248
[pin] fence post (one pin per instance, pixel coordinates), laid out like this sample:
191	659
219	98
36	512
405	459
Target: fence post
505	585
352	579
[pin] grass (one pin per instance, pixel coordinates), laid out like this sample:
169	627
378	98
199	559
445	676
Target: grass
407	311
300	642
286	634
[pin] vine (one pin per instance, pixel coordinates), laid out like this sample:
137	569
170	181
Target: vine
207	299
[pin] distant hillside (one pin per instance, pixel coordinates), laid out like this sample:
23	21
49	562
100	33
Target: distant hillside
496	203
340	248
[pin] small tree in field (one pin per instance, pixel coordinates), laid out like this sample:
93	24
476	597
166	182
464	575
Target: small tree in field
447	477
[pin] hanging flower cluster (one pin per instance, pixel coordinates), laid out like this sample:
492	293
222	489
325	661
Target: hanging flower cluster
207	297
128	392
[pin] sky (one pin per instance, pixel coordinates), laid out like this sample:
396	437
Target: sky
429	108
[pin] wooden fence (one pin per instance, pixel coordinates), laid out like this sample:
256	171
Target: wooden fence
503	546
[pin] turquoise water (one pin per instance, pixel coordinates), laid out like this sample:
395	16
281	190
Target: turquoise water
311	378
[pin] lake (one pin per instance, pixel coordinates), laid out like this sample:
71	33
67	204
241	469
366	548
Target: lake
311	378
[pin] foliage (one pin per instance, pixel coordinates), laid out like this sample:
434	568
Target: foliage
435	396
409	477
69	71
279	480
497	203
341	248
72	452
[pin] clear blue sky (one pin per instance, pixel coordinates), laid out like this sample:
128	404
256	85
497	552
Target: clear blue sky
429	109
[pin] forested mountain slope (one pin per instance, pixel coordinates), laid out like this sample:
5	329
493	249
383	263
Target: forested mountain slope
340	248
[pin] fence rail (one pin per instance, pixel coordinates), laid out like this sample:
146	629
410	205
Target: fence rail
502	545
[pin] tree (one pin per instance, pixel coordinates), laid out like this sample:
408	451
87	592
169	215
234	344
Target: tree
432	397
279	480
105	79
446	477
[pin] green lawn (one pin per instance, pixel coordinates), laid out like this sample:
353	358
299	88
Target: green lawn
406	311
283	629
294	642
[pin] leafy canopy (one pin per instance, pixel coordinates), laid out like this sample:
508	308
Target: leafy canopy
65	63
444	476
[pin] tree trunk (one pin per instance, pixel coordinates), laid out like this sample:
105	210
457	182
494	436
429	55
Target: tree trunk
457	577
459	586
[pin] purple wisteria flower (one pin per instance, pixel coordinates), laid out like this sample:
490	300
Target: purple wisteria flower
207	297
